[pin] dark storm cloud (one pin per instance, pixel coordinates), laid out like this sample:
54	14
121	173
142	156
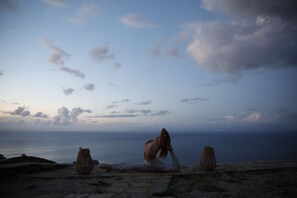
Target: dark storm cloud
256	34
58	58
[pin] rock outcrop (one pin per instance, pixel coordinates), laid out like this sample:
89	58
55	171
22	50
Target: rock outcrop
2	157
25	159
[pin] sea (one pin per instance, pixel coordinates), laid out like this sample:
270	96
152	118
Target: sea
127	147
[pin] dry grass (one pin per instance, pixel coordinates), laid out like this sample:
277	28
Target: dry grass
240	184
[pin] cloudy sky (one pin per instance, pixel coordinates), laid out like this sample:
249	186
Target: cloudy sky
142	65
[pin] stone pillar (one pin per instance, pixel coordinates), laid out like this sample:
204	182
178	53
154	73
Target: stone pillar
84	163
208	160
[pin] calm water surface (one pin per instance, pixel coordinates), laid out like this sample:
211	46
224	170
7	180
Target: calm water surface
123	147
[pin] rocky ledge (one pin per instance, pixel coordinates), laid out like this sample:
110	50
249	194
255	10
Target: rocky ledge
264	179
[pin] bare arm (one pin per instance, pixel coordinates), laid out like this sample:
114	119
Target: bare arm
176	165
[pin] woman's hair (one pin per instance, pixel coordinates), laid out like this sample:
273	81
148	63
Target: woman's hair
164	141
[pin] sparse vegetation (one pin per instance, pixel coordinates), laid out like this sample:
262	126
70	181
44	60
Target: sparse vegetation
237	184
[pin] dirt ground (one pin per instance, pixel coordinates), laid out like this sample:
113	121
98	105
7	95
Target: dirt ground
264	179
268	183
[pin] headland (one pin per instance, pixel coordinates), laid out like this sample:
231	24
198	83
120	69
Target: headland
43	178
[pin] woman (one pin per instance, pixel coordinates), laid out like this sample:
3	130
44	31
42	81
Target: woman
153	151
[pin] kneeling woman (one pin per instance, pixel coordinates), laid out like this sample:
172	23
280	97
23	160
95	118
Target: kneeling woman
153	151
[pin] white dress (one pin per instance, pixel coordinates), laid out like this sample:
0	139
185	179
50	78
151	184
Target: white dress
154	165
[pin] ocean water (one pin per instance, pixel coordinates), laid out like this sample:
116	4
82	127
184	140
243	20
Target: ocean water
123	147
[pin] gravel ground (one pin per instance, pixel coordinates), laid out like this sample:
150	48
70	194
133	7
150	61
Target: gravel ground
275	183
265	179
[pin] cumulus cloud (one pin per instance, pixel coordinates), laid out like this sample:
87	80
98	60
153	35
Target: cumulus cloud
68	91
20	111
58	58
63	117
101	53
256	34
66	117
257	117
40	115
55	3
253	117
135	20
84	13
75	112
193	100
89	87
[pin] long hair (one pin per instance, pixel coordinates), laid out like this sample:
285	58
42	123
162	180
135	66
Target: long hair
164	141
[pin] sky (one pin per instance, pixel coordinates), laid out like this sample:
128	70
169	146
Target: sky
113	65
